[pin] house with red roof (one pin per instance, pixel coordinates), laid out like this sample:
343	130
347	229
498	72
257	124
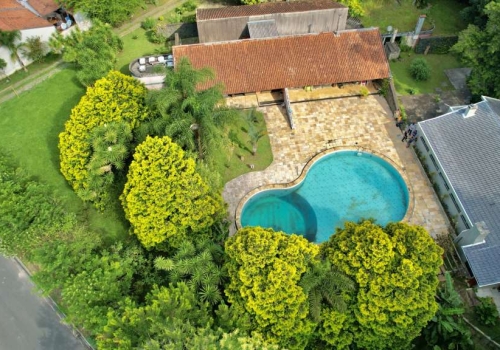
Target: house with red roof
32	18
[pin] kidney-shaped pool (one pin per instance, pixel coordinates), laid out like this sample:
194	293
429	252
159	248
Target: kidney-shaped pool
339	187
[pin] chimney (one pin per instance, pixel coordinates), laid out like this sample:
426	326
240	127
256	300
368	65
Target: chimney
393	38
420	24
471	111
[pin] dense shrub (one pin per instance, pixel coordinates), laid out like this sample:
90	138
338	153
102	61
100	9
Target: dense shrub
487	312
148	23
419	69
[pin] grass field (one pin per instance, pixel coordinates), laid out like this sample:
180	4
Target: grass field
29	129
405	83
402	15
236	163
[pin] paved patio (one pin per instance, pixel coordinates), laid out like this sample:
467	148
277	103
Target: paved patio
340	123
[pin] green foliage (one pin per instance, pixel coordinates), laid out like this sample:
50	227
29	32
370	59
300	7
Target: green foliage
447	328
93	51
113	12
324	285
486	312
419	69
478	49
355	7
29	213
405	48
148	23
395	271
164	198
115	98
102	284
34	49
200	265
194	118
11	40
254	132
169	317
110	149
3	64
438	44
265	268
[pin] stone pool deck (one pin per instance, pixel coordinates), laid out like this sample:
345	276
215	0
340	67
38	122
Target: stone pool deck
352	123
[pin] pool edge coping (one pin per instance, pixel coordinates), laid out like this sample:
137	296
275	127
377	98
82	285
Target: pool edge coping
400	169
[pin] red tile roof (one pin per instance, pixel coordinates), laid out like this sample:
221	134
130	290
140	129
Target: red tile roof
265	9
293	61
13	16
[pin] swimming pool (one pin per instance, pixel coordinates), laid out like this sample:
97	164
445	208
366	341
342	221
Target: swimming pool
339	187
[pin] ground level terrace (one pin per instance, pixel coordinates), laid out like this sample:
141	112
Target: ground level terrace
353	122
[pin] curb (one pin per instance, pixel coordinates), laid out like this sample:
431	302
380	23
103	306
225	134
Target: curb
76	333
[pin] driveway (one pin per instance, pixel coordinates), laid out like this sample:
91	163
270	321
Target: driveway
27	320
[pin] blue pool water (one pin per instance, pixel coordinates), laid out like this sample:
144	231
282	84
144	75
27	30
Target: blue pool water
339	187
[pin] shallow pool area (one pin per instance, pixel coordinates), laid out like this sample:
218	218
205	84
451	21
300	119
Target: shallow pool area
339	187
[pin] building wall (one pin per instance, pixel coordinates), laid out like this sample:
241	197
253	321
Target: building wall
235	28
446	193
12	64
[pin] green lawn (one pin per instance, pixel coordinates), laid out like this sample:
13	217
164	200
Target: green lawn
32	70
443	13
234	166
29	129
438	63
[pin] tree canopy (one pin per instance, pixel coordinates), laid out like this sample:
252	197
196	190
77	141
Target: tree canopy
164	197
114	98
193	116
113	12
395	272
265	268
93	51
478	49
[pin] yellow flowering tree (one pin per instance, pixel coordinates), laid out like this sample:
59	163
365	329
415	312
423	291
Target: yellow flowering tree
114	98
164	197
395	271
265	268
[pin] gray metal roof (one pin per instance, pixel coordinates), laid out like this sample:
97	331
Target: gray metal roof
263	29
468	150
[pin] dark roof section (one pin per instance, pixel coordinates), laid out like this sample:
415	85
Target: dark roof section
291	61
468	150
265	9
263	29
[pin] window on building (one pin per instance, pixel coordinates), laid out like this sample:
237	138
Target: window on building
434	161
444	181
454	201
465	222
424	143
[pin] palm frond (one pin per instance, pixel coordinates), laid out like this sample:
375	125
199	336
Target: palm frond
165	264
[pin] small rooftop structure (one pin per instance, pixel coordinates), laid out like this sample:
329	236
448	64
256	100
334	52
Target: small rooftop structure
255	65
466	144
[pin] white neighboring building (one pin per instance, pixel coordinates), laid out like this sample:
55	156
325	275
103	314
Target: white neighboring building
33	18
462	150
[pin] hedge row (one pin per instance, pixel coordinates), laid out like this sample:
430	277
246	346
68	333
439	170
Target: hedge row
438	44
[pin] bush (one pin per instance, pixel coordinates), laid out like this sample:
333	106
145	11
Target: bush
404	48
148	23
486	312
419	69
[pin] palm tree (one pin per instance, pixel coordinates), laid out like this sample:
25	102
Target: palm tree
323	285
9	39
110	148
254	133
194	118
200	265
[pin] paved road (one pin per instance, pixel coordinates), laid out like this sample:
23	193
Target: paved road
27	321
